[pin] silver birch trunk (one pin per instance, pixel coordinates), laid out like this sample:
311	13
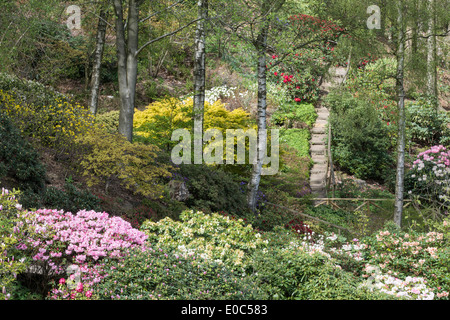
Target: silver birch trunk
399	185
255	178
127	47
199	81
95	80
431	52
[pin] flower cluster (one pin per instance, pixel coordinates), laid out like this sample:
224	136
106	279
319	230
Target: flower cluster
83	237
55	125
403	255
300	68
211	236
430	173
299	227
411	288
71	290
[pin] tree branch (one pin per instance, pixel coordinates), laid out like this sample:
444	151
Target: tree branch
166	8
165	35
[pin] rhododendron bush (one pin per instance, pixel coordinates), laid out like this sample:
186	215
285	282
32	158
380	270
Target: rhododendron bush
299	69
430	175
62	237
401	255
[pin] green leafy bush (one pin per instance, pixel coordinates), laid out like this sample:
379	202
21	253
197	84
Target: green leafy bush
427	125
297	139
18	159
295	271
70	199
295	115
429	176
10	262
211	189
161	274
360	141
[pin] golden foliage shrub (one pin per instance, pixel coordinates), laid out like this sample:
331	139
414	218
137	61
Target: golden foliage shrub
157	122
109	156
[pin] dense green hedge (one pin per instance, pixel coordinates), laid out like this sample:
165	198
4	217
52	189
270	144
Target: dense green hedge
360	140
18	159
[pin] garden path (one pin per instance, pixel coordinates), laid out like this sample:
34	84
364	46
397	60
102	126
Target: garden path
319	134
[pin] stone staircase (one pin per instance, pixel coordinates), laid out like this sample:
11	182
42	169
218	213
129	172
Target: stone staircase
319	134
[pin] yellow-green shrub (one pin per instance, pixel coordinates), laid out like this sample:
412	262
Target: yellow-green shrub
157	122
110	156
56	125
101	155
109	121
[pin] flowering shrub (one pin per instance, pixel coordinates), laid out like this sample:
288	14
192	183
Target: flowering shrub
402	255
62	237
303	270
212	236
426	124
78	291
299	227
300	71
10	262
430	174
55	125
411	288
217	93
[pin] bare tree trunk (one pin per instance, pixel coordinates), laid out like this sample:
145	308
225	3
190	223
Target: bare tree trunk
431	53
261	45
199	80
95	80
127	47
399	186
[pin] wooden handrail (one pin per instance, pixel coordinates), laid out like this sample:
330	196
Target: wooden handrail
310	217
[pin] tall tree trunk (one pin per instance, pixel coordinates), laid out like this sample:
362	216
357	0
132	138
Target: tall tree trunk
431	53
199	80
415	30
127	48
399	186
261	45
95	80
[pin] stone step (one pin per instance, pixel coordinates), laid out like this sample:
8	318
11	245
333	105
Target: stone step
320	192
319	169
317	185
321	123
319	159
322	110
317	149
318	130
318	139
